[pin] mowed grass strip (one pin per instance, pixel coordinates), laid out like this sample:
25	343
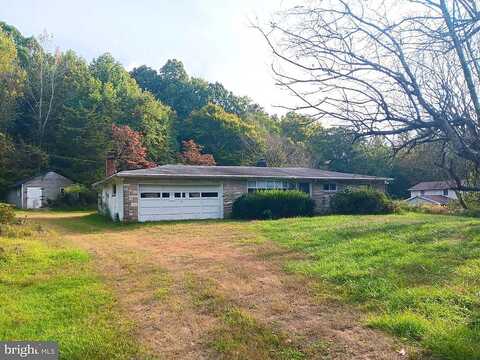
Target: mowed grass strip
417	276
49	292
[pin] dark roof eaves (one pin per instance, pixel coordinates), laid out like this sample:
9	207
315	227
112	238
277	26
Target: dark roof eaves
95	184
193	176
434	185
423	198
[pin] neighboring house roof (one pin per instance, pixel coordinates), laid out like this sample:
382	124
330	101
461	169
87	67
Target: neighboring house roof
23	181
434	185
434	199
191	171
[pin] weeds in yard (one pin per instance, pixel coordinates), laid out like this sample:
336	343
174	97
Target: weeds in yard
242	337
51	293
147	277
417	276
238	335
162	282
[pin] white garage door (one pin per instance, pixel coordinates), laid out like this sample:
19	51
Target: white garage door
179	202
34	197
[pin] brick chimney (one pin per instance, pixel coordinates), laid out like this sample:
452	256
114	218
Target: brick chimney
110	167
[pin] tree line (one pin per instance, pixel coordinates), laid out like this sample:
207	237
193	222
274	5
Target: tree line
60	112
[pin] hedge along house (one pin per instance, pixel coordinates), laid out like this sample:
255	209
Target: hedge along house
35	192
174	192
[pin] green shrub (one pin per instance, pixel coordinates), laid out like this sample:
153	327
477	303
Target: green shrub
472	199
403	207
75	196
361	201
7	214
273	204
471	213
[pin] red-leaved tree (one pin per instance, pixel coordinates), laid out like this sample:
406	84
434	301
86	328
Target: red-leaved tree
192	154
128	149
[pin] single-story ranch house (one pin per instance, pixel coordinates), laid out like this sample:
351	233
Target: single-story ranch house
34	193
173	192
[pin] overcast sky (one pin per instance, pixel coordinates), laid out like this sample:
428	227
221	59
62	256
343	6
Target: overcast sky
211	37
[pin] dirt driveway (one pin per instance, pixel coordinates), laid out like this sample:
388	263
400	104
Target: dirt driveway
202	290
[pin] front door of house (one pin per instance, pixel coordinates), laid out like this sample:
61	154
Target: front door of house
305	187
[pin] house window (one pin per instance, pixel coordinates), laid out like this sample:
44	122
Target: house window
177	195
194	195
304	187
445	192
165	195
114	190
255	185
62	191
330	187
422	192
150	195
209	194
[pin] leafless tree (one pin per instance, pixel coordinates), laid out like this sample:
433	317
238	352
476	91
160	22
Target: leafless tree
407	70
41	83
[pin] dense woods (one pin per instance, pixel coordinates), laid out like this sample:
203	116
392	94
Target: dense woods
60	112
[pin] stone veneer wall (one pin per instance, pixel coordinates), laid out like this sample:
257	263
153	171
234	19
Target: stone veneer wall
232	189
322	197
130	202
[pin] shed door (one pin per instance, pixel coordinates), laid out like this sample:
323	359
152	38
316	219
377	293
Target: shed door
179	202
34	197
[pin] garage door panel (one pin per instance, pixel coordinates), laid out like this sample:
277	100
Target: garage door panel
173	210
164	217
159	202
192	188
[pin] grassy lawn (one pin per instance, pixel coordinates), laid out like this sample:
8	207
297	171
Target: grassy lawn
416	276
49	291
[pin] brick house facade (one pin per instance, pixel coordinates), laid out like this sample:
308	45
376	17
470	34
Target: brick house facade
143	195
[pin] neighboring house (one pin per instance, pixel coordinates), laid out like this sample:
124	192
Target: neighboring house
432	193
33	193
173	192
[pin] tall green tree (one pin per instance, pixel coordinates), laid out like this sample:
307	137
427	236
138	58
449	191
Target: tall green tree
333	148
42	101
173	86
296	126
126	104
12	79
18	161
82	120
230	140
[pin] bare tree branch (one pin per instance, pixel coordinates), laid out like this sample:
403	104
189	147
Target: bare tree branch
408	71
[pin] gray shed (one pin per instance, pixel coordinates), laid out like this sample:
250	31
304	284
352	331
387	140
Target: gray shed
33	193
